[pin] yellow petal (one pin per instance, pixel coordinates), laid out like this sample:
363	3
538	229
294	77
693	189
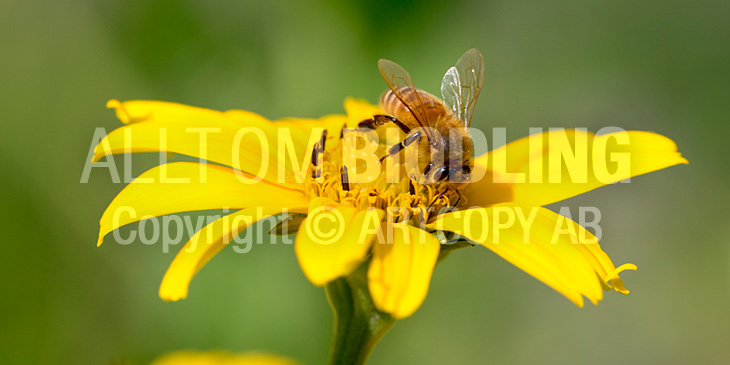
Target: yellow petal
490	189
235	138
134	111
401	269
245	152
179	187
551	248
601	160
302	129
333	240
169	127
614	280
206	243
220	358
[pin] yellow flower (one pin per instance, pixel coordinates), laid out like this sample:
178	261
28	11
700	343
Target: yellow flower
401	257
220	358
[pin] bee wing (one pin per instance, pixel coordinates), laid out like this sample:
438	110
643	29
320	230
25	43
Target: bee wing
462	83
400	83
451	92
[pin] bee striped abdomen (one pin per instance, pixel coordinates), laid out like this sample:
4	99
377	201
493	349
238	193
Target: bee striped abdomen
430	105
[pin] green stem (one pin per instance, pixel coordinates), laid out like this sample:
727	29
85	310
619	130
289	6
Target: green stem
358	324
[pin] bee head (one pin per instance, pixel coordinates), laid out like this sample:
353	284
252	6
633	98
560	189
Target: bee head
451	159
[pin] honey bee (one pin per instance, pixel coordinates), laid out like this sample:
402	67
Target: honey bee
438	128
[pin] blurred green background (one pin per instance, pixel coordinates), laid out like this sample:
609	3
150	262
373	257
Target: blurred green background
652	65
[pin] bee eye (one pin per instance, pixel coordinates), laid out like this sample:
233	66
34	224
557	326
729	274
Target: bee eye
440	173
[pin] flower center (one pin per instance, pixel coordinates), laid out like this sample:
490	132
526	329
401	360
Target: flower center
405	199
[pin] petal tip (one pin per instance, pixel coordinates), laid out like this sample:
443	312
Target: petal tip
121	112
317	280
579	302
615	281
171	299
113	104
172	295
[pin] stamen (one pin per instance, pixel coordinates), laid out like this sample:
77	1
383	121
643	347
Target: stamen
317	152
345	179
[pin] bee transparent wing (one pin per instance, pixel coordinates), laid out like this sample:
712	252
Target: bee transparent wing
400	83
451	92
462	84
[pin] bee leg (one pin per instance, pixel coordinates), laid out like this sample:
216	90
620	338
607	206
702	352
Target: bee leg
345	178
458	200
436	198
378	120
317	152
400	125
371	123
400	146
